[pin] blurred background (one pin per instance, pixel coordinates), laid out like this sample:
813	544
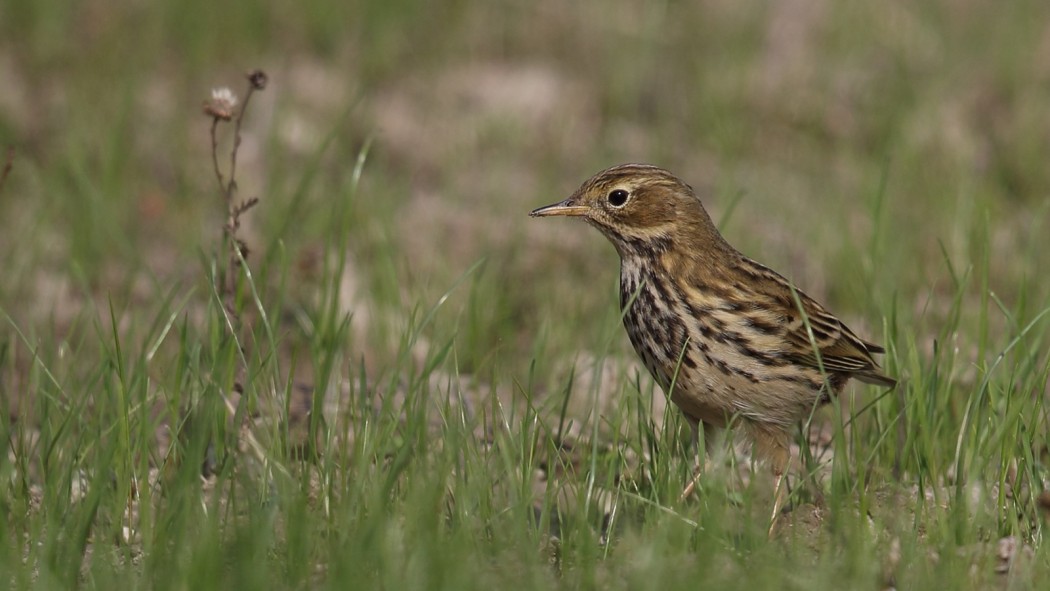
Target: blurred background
875	153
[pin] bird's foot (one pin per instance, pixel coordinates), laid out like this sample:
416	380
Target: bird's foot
691	487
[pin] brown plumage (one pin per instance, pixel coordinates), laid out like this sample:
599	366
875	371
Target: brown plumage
723	335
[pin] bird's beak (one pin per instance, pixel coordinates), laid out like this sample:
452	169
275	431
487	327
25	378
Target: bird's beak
569	207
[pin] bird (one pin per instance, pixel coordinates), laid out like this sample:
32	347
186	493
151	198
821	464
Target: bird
727	339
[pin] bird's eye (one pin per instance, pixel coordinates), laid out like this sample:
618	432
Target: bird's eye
618	197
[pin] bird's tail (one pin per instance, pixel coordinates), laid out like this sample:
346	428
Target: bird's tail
876	377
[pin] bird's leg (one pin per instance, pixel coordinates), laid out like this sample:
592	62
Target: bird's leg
774	446
710	431
694	449
779	493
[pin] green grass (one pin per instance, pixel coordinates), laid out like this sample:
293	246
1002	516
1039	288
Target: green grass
437	389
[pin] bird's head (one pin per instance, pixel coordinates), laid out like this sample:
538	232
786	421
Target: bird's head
636	205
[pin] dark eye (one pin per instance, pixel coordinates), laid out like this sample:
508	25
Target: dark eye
618	197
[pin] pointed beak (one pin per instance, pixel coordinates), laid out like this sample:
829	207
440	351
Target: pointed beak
568	208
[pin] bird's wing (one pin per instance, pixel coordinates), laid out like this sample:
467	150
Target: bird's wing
779	318
839	348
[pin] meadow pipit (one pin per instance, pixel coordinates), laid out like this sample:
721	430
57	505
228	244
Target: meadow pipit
723	335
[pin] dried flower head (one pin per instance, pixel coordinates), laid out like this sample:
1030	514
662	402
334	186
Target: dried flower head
221	104
258	79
